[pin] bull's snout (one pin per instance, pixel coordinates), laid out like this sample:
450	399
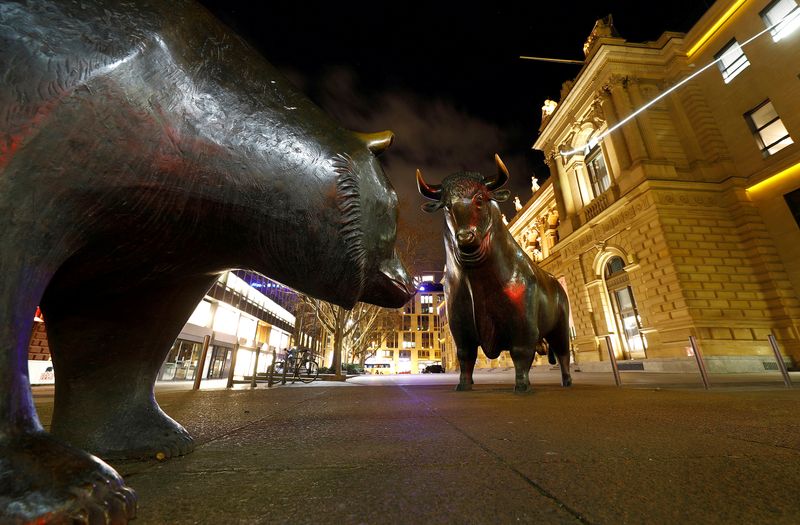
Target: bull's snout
465	237
390	287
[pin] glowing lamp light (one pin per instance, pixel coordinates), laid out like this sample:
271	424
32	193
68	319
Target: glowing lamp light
775	180
718	24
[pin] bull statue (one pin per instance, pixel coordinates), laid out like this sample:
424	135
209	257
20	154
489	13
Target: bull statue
496	296
145	149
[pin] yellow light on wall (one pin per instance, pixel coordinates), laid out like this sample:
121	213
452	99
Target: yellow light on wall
777	179
717	25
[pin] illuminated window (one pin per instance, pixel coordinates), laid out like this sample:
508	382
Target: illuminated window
732	60
768	129
387	353
598	173
784	15
427	340
408	340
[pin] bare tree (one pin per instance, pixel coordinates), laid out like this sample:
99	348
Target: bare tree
354	330
349	328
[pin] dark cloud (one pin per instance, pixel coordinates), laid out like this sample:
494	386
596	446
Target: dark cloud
430	134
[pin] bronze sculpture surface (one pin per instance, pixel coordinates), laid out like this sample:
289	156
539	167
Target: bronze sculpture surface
144	149
497	298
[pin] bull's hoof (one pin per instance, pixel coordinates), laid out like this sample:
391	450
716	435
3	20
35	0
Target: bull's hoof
43	480
134	434
461	387
522	389
566	381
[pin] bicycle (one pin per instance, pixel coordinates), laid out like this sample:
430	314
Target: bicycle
298	365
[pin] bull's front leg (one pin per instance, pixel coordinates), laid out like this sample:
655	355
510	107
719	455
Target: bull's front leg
467	355
523	359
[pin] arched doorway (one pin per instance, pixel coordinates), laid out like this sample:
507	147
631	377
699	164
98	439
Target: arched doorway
626	313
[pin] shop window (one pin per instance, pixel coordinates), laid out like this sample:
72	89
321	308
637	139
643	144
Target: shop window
181	362
768	129
783	16
793	201
625	310
731	60
598	173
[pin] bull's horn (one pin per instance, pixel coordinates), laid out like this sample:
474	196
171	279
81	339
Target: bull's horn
377	142
429	191
502	175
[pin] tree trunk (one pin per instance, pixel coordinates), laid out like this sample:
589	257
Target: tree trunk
336	365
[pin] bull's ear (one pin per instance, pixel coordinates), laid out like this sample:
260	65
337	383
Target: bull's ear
501	195
431	207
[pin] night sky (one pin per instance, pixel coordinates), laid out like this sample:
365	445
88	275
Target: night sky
444	76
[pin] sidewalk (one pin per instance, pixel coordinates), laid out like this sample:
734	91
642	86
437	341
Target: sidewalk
409	449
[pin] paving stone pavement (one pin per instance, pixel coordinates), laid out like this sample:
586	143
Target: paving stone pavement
406	450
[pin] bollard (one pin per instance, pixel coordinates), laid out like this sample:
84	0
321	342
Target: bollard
779	358
255	367
613	359
700	363
201	365
271	369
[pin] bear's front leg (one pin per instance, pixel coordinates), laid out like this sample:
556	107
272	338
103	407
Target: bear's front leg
108	347
45	481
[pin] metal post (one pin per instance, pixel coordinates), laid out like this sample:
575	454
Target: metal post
199	371
613	360
700	363
233	364
779	358
255	366
271	373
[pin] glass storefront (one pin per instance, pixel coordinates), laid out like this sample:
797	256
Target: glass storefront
181	362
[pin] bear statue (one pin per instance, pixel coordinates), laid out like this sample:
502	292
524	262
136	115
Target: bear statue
145	149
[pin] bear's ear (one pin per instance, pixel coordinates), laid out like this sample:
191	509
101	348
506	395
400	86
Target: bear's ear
501	195
431	207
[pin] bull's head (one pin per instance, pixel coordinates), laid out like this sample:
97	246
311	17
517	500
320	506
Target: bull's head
470	203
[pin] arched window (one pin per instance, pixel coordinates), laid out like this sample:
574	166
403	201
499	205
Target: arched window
625	311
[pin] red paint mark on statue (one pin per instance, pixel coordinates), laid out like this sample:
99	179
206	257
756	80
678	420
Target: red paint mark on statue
8	148
515	291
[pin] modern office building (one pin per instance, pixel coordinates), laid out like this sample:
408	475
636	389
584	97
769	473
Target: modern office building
682	219
411	338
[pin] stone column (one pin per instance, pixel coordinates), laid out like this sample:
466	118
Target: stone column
645	124
552	159
611	117
630	130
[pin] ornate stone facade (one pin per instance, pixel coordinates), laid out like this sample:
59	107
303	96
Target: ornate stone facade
660	229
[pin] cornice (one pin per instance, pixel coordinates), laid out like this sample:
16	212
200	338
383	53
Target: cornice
623	60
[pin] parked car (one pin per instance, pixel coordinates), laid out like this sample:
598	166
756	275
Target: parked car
433	369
